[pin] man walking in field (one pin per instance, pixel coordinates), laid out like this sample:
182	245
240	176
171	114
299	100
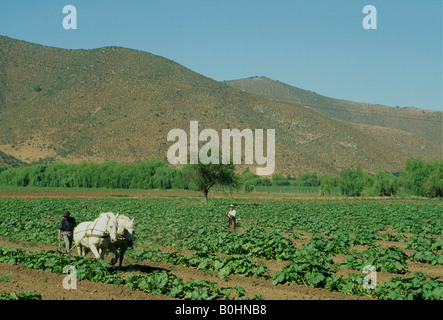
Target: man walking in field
231	215
66	227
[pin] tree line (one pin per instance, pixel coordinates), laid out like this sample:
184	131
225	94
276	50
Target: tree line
419	177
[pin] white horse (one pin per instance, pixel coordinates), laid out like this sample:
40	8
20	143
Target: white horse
97	234
125	238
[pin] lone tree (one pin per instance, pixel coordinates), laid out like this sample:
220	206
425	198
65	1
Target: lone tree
205	176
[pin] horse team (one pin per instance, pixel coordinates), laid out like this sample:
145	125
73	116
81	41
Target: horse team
108	231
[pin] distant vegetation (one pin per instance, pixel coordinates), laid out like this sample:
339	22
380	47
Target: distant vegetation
152	174
9	160
418	177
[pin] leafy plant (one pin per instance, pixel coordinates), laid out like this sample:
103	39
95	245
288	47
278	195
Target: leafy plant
203	260
417	287
391	259
353	284
426	249
25	295
313	270
337	244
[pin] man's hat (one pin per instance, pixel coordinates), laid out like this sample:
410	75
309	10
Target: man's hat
66	213
231	206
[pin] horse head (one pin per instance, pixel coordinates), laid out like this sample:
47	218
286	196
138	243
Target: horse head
111	226
126	229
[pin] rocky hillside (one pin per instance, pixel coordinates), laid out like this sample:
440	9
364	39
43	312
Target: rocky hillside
119	104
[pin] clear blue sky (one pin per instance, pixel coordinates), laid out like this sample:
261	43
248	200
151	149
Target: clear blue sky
318	45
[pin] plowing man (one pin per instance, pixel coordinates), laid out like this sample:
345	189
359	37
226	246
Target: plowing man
66	228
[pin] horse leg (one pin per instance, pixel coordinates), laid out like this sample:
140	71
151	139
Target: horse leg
102	254
115	251
122	254
105	244
95	251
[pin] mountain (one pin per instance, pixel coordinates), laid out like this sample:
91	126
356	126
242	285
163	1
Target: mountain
423	123
119	104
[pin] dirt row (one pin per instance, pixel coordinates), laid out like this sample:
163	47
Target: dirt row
51	285
195	196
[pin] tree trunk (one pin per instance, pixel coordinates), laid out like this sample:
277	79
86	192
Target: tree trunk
205	194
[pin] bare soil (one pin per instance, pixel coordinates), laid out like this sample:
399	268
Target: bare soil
29	193
50	285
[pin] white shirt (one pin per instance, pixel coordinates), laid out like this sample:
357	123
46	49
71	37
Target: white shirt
232	213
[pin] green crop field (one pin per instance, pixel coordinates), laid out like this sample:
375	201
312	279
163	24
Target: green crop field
323	245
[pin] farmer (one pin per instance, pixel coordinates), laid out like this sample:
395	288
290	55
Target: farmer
66	227
231	215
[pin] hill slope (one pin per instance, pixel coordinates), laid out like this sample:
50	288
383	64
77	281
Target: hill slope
119	104
424	123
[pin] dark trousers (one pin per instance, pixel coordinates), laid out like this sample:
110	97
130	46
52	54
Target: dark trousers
232	224
68	237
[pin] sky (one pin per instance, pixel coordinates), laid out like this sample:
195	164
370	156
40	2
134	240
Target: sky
317	45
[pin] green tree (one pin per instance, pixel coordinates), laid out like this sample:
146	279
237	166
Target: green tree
205	176
352	182
3	168
308	180
383	183
279	180
248	186
264	182
433	186
327	183
249	176
415	175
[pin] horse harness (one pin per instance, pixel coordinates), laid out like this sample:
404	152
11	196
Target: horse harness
104	236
